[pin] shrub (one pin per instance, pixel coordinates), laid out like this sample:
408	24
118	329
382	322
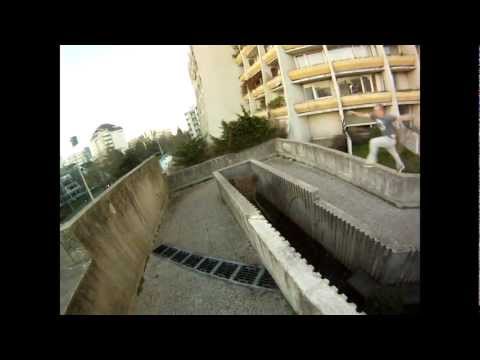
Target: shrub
191	152
277	102
245	132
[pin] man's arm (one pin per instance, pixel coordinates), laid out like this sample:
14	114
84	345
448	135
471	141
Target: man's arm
359	114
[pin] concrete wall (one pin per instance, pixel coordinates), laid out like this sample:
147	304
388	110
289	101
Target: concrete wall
307	291
326	125
350	241
203	171
115	232
403	190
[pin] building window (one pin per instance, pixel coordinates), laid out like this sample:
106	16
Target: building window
309	93
345	52
318	90
356	85
310	59
391	50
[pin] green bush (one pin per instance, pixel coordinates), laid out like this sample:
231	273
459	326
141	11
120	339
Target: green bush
245	132
277	102
191	152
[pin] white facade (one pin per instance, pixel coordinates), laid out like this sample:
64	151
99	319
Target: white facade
193	122
215	78
107	137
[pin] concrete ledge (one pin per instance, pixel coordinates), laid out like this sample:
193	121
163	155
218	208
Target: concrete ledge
306	291
402	190
351	241
106	244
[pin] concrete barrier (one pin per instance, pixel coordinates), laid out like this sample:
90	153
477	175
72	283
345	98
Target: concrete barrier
113	235
352	242
306	290
402	190
203	171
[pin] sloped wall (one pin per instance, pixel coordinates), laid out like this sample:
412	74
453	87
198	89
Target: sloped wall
116	231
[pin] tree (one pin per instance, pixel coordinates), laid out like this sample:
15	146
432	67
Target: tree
191	152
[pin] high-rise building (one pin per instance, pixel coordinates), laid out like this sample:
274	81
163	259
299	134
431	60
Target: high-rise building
215	78
308	89
107	137
193	122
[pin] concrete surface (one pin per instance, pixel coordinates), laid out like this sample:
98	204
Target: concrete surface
306	291
117	232
199	221
389	224
170	289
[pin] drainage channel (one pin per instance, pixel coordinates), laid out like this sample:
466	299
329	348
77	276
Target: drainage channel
231	271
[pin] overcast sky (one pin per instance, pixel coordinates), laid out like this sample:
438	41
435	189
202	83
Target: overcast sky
136	87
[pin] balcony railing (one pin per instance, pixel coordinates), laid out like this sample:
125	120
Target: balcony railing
258	91
324	104
358	64
296	49
274	83
279	112
252	70
261	113
402	60
410	96
270	55
308	72
366	99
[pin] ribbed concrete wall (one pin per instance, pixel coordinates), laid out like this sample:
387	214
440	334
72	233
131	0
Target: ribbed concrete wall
116	232
306	290
203	171
402	190
349	240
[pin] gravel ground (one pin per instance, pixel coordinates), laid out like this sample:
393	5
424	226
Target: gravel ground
172	290
198	221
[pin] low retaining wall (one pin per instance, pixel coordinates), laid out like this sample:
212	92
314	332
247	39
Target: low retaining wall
306	290
203	171
115	234
349	240
403	190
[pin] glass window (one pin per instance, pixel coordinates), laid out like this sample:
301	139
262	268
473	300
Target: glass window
316	58
391	49
355	86
341	53
360	51
344	89
322	92
309	93
367	84
300	61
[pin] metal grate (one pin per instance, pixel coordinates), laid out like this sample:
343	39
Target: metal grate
267	281
192	261
225	270
207	265
160	249
240	274
169	252
247	274
180	256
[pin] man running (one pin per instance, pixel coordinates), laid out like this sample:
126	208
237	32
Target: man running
389	139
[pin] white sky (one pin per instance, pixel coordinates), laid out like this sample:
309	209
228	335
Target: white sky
138	87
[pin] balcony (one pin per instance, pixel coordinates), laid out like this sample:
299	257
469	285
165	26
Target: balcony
251	71
320	105
368	99
258	91
279	112
310	72
274	83
408	96
247	49
261	113
270	56
398	62
358	64
297	49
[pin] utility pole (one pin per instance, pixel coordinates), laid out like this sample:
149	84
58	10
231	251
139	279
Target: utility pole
74	141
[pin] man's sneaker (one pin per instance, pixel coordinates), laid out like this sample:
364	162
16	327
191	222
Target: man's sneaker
401	169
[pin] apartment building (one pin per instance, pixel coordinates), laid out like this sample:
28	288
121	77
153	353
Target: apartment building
308	89
107	137
193	122
216	81
79	158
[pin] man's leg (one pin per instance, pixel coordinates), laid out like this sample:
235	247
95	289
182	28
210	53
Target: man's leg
393	151
373	146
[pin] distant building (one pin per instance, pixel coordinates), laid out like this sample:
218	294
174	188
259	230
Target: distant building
107	137
80	158
70	189
193	122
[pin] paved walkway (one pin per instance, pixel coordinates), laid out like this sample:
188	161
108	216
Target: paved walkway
197	220
391	225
